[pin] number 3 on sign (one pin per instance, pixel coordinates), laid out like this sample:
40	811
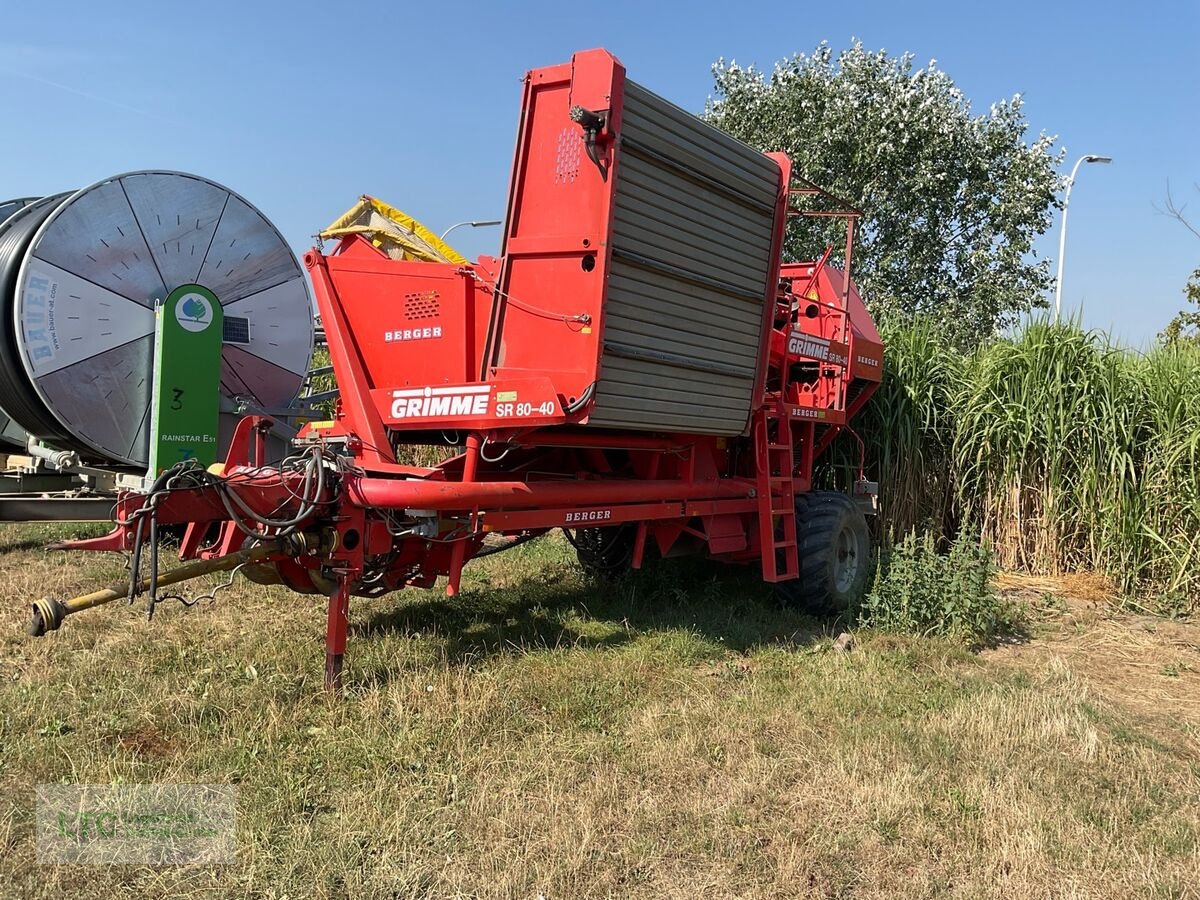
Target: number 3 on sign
177	398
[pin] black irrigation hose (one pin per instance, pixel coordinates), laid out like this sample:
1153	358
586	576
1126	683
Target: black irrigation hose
20	401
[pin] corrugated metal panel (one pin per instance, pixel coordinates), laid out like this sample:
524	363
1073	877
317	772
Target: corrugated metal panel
675	133
693	221
675	402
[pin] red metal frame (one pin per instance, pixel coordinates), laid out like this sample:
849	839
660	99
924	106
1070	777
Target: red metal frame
498	359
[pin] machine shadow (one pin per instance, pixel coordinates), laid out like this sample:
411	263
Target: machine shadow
726	606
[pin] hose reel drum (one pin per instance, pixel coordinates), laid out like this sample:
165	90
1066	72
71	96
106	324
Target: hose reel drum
11	434
80	277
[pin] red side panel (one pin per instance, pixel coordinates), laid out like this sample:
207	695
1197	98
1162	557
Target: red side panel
551	285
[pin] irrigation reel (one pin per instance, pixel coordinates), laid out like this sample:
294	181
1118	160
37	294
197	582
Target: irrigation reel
140	317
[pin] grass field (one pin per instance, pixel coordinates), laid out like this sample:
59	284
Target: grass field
676	735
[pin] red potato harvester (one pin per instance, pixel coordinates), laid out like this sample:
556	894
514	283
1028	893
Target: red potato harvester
638	368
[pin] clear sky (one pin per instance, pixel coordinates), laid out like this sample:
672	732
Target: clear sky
303	106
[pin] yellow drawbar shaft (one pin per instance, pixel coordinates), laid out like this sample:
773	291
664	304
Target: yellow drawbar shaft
48	613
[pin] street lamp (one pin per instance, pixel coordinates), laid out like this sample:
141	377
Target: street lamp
480	224
1062	237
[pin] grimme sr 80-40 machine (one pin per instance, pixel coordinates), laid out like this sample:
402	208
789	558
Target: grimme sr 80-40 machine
638	368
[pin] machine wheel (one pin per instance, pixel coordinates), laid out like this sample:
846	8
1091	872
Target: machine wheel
835	554
603	553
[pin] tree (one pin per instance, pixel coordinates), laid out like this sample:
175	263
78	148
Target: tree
952	202
1186	325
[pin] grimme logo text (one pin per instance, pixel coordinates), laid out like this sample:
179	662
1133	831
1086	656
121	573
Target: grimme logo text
431	402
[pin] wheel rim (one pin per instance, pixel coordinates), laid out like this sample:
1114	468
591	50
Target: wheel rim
845	559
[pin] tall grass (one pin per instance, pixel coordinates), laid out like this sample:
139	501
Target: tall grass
909	429
1059	449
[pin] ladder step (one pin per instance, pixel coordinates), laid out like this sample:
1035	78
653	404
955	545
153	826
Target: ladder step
777	539
781	576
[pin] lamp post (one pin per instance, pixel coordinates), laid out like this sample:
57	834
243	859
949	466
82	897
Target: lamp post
479	224
1062	237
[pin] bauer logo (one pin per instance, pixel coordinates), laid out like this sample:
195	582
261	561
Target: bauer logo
193	312
441	402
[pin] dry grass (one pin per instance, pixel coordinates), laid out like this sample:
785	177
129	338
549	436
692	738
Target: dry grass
1150	665
673	736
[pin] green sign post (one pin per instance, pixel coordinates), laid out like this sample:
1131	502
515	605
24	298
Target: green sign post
187	376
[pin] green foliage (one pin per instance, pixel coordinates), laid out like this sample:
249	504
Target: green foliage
908	428
919	590
1059	450
1186	325
953	201
320	383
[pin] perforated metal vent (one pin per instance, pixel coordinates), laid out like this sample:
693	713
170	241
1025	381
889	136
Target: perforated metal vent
566	159
424	305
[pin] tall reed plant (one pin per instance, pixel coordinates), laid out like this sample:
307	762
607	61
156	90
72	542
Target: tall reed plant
1057	448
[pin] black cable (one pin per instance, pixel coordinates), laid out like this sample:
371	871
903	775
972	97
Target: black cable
149	511
144	520
582	401
507	545
153	563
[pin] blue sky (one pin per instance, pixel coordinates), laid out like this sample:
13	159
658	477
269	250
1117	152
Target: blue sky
303	106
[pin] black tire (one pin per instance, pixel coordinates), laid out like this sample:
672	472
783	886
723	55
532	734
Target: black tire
835	554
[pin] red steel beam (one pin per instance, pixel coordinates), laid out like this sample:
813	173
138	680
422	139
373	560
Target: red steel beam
395	493
573	516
